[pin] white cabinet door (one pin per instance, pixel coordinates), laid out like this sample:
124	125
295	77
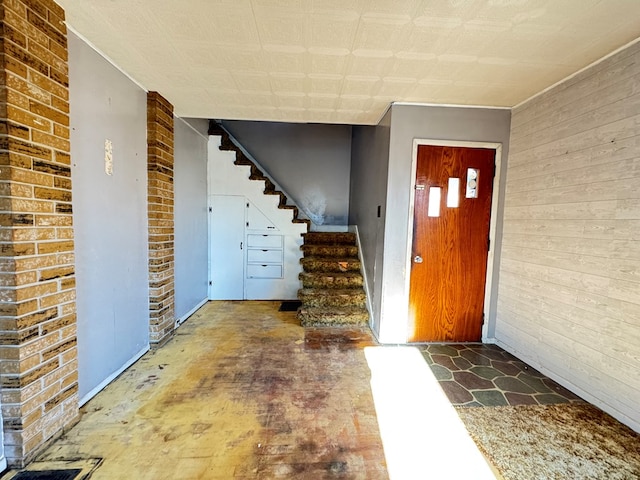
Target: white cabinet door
226	267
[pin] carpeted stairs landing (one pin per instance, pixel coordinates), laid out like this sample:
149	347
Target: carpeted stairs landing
332	292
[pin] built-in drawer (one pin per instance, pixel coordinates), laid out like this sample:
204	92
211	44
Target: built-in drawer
264	271
266	241
264	256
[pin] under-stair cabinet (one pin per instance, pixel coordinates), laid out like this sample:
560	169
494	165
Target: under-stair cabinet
254	246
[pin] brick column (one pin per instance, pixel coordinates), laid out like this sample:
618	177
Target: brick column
160	210
38	374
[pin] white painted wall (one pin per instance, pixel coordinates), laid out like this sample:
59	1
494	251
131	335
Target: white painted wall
225	178
569	294
110	216
190	207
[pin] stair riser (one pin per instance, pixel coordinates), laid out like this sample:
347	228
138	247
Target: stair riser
331	282
333	320
333	301
329	266
330	251
329	238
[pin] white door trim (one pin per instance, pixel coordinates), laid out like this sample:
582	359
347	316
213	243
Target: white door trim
3	459
488	312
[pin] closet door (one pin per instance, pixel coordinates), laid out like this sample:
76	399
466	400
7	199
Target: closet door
226	256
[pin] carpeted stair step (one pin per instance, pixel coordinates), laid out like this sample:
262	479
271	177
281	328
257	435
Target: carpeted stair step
333	297
332	316
331	238
323	250
326	280
325	264
332	293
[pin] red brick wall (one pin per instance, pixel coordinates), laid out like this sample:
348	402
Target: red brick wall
38	374
161	224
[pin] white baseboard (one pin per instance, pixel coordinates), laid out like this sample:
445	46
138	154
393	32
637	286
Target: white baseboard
113	376
183	318
365	283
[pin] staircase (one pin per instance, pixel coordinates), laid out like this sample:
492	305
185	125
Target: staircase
332	293
227	144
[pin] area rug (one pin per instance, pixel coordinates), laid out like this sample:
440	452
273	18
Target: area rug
545	442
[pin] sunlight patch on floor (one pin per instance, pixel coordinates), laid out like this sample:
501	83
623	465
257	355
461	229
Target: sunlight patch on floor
421	432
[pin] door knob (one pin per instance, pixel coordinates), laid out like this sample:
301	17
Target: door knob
417	259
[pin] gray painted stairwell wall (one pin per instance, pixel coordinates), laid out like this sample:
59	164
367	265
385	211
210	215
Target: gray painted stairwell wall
369	170
311	162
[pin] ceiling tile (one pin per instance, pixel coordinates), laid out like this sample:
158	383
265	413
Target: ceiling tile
281	29
322	103
282	84
281	62
325	84
333	31
354	85
345	60
254	82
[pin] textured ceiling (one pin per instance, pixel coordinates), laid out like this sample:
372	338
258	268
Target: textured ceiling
344	61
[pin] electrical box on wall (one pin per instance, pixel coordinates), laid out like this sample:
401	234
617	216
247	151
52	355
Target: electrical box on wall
108	157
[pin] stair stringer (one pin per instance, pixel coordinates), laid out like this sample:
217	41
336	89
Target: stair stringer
229	142
365	282
227	178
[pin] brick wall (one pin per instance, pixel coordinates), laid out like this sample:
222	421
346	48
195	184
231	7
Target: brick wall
38	374
161	224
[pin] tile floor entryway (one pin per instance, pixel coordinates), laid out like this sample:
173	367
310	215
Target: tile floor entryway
244	392
481	375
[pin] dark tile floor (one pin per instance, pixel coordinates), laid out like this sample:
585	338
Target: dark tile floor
477	375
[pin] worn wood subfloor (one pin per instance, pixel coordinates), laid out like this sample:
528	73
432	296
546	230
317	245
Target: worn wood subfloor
244	392
240	392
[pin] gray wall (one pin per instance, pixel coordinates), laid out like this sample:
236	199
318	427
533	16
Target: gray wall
110	215
190	189
310	161
409	122
369	170
569	295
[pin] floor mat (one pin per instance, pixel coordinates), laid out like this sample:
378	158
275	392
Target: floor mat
68	474
56	469
290	306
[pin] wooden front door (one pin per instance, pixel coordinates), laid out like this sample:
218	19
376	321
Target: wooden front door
450	243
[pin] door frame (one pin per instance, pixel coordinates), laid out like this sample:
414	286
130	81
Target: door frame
488	310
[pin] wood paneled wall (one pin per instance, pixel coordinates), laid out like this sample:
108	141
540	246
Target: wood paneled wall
569	293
